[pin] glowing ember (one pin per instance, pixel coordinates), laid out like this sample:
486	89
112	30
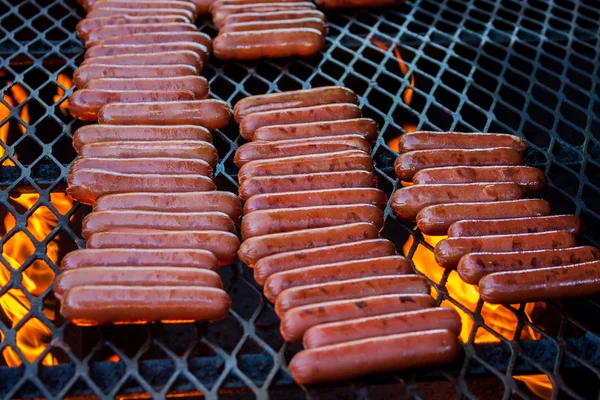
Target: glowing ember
67	83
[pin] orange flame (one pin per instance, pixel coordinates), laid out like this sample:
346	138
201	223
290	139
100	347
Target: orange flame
19	95
33	336
67	83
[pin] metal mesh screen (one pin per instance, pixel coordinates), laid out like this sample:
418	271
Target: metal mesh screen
526	68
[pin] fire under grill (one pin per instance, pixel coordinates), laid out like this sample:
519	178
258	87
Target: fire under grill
525	68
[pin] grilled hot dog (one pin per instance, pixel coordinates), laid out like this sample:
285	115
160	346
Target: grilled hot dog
198	85
569	223
455	140
152	165
364	127
87	72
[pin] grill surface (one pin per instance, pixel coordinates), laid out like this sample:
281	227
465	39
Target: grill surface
526	68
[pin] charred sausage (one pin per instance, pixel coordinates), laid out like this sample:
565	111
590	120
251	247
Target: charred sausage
216	201
211	114
192	258
319	113
96	305
312	198
85	73
349	289
474	266
151	165
364	127
293	99
435	220
449	251
340	271
254	249
569	223
352	251
408	201
298	320
198	85
455	140
408	164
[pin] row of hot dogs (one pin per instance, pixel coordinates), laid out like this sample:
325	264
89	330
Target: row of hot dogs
159	231
474	188
312	216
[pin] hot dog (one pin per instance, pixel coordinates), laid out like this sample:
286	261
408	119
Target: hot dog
298	147
456	140
408	201
349	289
211	114
182	57
151	165
373	355
327	112
254	249
86	103
341	271
350	160
569	223
110	31
408	164
266	222
95	305
120	49
85	73
87	185
198	85
140	133
156	12
222	12
219	3
311	198
140	4
474	266
382	325
99	221
202	6
322	180
164	38
192	258
364	127
293	99
190	149
223	244
352	251
272	16
216	201
533	180
575	280
298	320
435	220
332	4
304	23
87	24
135	276
449	251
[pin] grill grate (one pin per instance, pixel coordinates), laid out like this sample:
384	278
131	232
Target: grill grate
527	68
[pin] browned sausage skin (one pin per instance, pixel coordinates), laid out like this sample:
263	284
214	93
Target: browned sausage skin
298	320
211	114
364	127
575	280
382	325
118	12
436	219
221	13
455	140
300	23
181	57
198	85
85	73
374	355
135	276
333	4
96	305
317	181
96	35
272	16
254	249
140	4
293	99
569	223
352	269
408	164
349	289
164	38
298	147
193	258
319	113
474	266
219	3
308	198
105	50
408	201
149	165
87	24
85	104
116	133
449	251
533	180
266	222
